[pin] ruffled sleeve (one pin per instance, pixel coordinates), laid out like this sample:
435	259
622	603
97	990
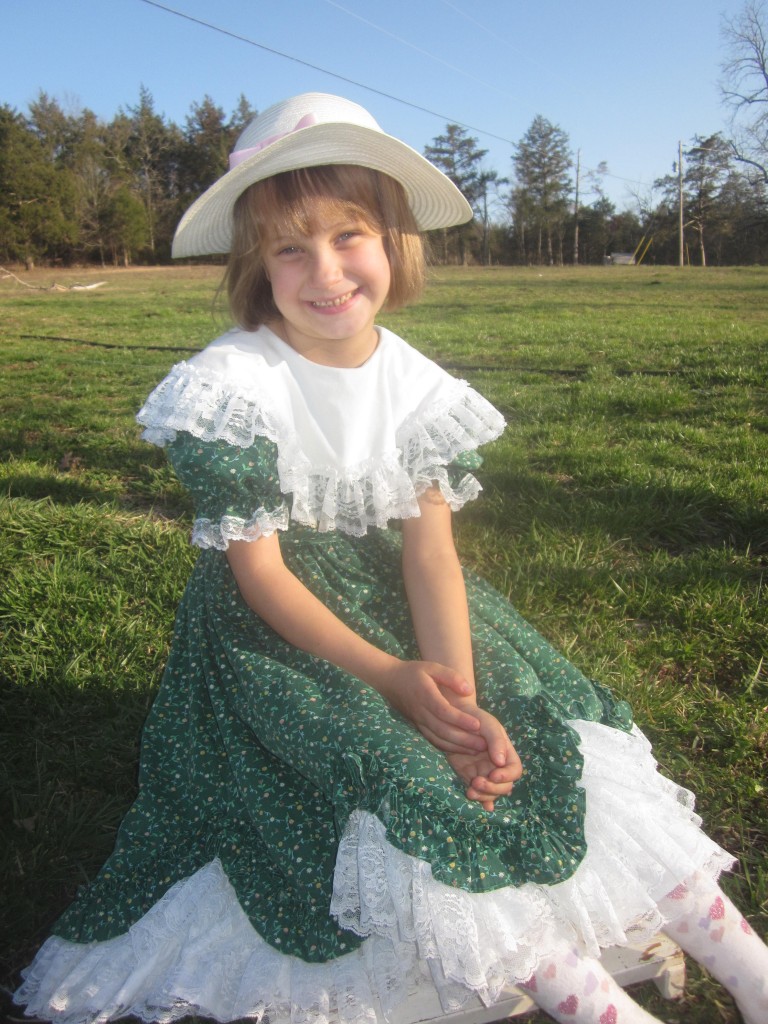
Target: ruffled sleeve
439	443
236	490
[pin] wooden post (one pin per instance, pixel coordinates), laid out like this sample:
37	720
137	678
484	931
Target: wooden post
576	211
680	191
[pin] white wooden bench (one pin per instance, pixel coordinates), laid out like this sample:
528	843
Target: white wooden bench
660	960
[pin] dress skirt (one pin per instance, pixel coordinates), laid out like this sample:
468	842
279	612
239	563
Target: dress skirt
298	851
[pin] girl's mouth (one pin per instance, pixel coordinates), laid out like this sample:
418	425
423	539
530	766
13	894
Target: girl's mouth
331	303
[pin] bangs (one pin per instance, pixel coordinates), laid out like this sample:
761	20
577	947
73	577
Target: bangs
297	202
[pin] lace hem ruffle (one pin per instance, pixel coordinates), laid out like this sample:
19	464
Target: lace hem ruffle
642	835
644	840
212	406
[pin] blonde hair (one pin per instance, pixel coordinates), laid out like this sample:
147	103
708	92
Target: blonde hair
293	201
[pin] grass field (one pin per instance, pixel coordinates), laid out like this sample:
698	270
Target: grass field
625	513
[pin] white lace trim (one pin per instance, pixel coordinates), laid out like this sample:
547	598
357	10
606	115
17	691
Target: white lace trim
213	406
209	406
196	952
209	534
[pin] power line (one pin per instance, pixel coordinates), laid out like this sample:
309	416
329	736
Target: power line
325	71
493	33
418	49
352	81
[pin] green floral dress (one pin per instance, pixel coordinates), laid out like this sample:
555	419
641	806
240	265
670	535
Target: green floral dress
303	787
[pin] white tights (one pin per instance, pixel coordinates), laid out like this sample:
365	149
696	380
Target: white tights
574	989
713	931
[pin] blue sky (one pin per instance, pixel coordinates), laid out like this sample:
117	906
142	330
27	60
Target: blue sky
624	80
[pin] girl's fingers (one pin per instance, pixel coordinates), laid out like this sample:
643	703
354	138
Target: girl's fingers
486	792
451	680
505	768
459	720
486	802
454	744
446	712
484	788
508	773
462	742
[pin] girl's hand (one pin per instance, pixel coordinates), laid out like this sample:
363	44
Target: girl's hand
415	689
490	773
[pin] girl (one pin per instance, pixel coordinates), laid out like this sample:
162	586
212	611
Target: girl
364	771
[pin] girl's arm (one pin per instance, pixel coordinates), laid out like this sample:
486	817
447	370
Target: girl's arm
435	587
418	689
437	597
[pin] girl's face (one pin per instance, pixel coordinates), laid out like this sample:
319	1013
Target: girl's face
329	286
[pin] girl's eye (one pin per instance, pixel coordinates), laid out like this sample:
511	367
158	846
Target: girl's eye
288	250
346	236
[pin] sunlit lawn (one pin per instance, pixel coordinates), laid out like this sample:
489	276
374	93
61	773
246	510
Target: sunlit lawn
625	512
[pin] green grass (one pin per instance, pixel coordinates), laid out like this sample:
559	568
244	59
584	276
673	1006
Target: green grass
625	512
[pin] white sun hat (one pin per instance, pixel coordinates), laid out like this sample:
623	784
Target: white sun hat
311	130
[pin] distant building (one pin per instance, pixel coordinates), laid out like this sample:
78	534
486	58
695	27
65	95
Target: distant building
620	259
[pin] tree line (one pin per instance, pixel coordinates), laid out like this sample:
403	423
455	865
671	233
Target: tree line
76	189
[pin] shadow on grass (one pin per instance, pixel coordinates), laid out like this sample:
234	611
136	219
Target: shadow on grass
70	757
675	519
166	501
110	345
129	475
64	490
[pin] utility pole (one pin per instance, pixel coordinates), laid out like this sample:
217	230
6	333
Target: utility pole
680	200
576	211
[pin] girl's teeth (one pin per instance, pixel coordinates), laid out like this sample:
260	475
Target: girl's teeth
333	302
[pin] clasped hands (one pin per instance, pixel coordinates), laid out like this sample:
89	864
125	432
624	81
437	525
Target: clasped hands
441	704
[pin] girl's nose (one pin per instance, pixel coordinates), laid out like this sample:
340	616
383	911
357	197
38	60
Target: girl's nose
326	267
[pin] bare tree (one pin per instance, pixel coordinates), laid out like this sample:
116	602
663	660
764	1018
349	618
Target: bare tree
744	84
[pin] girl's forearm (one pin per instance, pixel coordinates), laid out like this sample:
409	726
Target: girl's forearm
416	689
282	601
438	601
434	583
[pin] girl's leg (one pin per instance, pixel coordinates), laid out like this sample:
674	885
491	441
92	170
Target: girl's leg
578	990
711	929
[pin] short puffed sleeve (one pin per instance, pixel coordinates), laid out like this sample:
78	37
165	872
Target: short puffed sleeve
236	490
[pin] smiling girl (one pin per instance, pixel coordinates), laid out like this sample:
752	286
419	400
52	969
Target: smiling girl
364	772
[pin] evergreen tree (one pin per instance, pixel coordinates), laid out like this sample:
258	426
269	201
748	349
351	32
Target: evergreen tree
241	116
595	234
124	228
204	153
457	156
36	201
708	168
56	130
540	200
151	155
743	207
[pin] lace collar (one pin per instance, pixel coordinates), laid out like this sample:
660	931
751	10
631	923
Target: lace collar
355	447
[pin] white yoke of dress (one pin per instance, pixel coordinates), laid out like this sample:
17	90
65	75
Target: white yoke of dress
356	446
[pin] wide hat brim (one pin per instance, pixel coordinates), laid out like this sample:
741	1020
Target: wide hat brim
206	227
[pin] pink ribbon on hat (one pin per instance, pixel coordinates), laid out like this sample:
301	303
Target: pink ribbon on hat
242	154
